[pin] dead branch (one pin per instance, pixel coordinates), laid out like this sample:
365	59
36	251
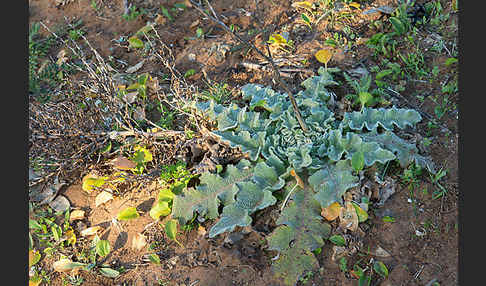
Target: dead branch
276	71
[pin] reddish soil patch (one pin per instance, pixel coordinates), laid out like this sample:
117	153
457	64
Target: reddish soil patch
414	259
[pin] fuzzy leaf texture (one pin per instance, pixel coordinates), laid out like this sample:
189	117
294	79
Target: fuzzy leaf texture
252	195
301	231
371	118
212	191
331	182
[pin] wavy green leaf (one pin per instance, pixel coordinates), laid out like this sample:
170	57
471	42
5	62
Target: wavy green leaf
212	191
332	182
385	117
301	231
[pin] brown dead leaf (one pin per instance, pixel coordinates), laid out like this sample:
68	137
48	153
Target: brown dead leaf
194	24
123	163
160	20
90	231
348	217
331	212
66	265
102	198
138	241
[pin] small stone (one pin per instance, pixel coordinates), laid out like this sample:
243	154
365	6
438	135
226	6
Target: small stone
60	204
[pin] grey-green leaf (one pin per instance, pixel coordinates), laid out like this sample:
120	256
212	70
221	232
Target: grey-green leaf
103	248
387	118
108	272
332	182
213	190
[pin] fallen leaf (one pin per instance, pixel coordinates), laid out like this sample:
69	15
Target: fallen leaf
128	213
91	182
70	237
331	212
108	272
103	248
194	24
102	198
362	215
337	240
90	231
138	241
348	217
380	252
76	215
135	68
324	56
380	268
277	40
123	163
154	258
130	97
35	281
66	265
135	43
160	20
303	4
161	208
34	257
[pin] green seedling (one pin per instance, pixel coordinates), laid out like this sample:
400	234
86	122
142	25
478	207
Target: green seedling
133	13
363	96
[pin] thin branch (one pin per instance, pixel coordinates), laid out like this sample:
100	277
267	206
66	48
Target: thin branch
268	58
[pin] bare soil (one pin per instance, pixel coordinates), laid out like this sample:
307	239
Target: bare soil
413	259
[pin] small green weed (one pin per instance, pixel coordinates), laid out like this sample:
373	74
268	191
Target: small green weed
219	92
133	13
363	96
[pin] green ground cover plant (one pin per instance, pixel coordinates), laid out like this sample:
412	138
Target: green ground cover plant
303	172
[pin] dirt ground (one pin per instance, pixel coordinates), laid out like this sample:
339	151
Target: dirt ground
422	243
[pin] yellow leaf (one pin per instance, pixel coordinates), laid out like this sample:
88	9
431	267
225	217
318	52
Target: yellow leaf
331	212
303	4
91	182
76	215
34	257
277	40
90	231
323	56
354	4
362	215
35	281
102	198
70	237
